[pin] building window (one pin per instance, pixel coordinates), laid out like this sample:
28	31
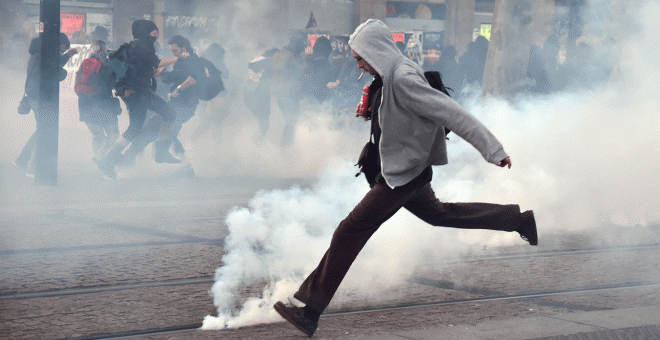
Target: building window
484	6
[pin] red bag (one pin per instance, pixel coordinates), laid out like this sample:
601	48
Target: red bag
87	78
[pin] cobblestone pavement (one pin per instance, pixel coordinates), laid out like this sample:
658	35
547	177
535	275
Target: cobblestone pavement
146	262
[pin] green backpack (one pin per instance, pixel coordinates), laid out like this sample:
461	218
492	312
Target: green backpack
118	63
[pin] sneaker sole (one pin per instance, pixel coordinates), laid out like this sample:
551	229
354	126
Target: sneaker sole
281	309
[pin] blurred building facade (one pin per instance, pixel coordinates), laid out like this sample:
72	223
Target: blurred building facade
457	20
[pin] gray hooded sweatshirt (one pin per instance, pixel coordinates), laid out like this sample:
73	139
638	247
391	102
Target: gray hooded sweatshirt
412	114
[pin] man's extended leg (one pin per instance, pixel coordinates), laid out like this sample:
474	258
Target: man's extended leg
380	203
162	145
428	208
137	112
184	112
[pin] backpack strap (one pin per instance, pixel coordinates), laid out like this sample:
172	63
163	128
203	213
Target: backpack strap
435	80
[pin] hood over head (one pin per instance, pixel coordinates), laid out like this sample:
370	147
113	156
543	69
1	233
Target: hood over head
296	44
322	47
373	41
141	28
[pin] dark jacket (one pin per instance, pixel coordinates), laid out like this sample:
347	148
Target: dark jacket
142	58
34	69
182	69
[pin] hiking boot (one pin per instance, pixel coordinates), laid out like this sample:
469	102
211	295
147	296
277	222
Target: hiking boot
527	228
106	167
296	316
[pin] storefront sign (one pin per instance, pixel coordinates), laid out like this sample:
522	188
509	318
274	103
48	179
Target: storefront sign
71	23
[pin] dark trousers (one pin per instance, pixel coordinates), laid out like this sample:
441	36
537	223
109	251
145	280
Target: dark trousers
184	111
152	127
23	160
138	103
378	206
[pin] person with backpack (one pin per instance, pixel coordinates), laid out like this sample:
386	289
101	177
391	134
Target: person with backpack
257	88
97	106
32	91
187	81
409	139
139	67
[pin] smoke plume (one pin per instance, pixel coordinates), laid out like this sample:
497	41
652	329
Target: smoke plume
582	159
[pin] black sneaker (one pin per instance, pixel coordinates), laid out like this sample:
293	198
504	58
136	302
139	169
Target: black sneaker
296	316
527	228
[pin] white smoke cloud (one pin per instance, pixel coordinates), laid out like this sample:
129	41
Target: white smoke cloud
581	160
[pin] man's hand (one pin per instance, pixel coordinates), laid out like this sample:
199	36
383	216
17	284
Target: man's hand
184	55
71	52
505	162
158	71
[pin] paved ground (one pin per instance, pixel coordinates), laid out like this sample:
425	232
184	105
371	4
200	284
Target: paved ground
91	258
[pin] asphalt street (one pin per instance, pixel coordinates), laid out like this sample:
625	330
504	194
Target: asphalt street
135	258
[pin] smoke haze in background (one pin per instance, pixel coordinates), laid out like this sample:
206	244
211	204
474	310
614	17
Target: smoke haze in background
582	160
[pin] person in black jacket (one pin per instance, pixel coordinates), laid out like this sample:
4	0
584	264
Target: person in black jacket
186	78
319	73
32	83
257	88
138	94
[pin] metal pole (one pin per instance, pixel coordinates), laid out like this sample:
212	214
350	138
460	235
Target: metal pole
49	100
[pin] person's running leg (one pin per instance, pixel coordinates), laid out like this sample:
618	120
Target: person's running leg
162	145
379	204
428	208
